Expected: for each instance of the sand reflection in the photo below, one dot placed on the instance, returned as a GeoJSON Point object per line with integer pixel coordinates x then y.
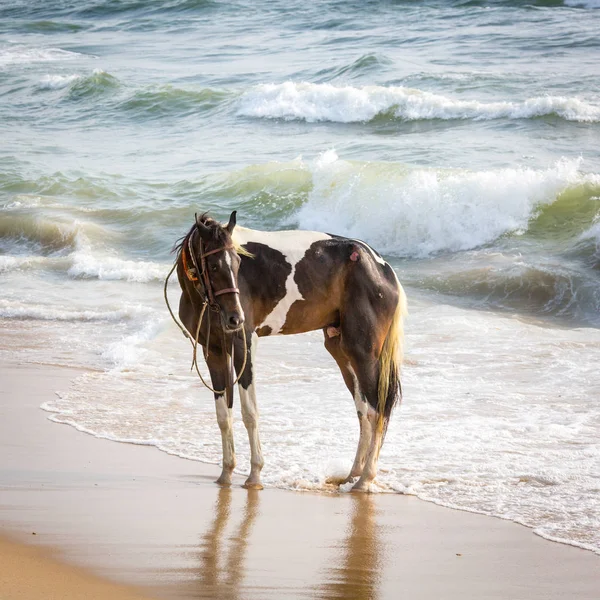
{"type": "Point", "coordinates": [334, 559]}
{"type": "Point", "coordinates": [222, 557]}
{"type": "Point", "coordinates": [357, 574]}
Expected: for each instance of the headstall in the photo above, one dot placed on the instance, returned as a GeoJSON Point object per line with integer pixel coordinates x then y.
{"type": "Point", "coordinates": [209, 299]}
{"type": "Point", "coordinates": [191, 272]}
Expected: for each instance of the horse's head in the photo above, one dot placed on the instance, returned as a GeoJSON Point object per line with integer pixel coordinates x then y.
{"type": "Point", "coordinates": [217, 264]}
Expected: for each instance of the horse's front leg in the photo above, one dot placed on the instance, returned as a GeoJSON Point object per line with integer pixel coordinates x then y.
{"type": "Point", "coordinates": [217, 364]}
{"type": "Point", "coordinates": [250, 410]}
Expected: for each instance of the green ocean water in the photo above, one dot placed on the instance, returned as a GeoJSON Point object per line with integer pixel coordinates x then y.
{"type": "Point", "coordinates": [460, 139]}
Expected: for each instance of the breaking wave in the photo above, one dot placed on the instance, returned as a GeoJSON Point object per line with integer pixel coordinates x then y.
{"type": "Point", "coordinates": [56, 82]}
{"type": "Point", "coordinates": [99, 82]}
{"type": "Point", "coordinates": [417, 212]}
{"type": "Point", "coordinates": [38, 312]}
{"type": "Point", "coordinates": [87, 265]}
{"type": "Point", "coordinates": [43, 235]}
{"type": "Point", "coordinates": [35, 242]}
{"type": "Point", "coordinates": [314, 102]}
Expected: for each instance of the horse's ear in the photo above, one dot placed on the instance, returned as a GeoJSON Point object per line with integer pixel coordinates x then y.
{"type": "Point", "coordinates": [205, 233]}
{"type": "Point", "coordinates": [231, 223]}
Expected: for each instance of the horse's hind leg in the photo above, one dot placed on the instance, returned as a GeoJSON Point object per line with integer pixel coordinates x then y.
{"type": "Point", "coordinates": [367, 371]}
{"type": "Point", "coordinates": [333, 346]}
{"type": "Point", "coordinates": [361, 340]}
{"type": "Point", "coordinates": [370, 468]}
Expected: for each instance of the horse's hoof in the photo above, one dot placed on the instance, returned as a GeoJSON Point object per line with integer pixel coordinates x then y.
{"type": "Point", "coordinates": [224, 480]}
{"type": "Point", "coordinates": [361, 487]}
{"type": "Point", "coordinates": [350, 478]}
{"type": "Point", "coordinates": [253, 485]}
{"type": "Point", "coordinates": [335, 481]}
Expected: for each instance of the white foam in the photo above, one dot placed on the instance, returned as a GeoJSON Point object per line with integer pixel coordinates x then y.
{"type": "Point", "coordinates": [13, 309]}
{"type": "Point", "coordinates": [89, 265]}
{"type": "Point", "coordinates": [593, 233]}
{"type": "Point", "coordinates": [12, 263]}
{"type": "Point", "coordinates": [416, 212]}
{"type": "Point", "coordinates": [481, 428]}
{"type": "Point", "coordinates": [56, 82]}
{"type": "Point", "coordinates": [19, 54]}
{"type": "Point", "coordinates": [128, 351]}
{"type": "Point", "coordinates": [347, 104]}
{"type": "Point", "coordinates": [23, 201]}
{"type": "Point", "coordinates": [88, 260]}
{"type": "Point", "coordinates": [7, 263]}
{"type": "Point", "coordinates": [86, 264]}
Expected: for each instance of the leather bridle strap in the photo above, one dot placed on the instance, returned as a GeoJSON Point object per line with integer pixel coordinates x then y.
{"type": "Point", "coordinates": [203, 271]}
{"type": "Point", "coordinates": [204, 254]}
{"type": "Point", "coordinates": [227, 291]}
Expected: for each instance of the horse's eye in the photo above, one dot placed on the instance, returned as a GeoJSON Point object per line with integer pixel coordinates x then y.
{"type": "Point", "coordinates": [213, 267]}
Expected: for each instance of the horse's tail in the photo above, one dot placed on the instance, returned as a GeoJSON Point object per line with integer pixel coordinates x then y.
{"type": "Point", "coordinates": [389, 389]}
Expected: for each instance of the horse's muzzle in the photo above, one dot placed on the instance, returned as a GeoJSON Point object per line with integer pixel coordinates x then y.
{"type": "Point", "coordinates": [233, 322]}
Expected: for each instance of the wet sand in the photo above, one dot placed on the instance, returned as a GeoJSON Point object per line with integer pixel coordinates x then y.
{"type": "Point", "coordinates": [134, 515]}
{"type": "Point", "coordinates": [29, 572]}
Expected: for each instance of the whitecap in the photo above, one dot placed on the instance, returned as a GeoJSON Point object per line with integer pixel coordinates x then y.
{"type": "Point", "coordinates": [87, 265]}
{"type": "Point", "coordinates": [13, 309]}
{"type": "Point", "coordinates": [56, 82]}
{"type": "Point", "coordinates": [313, 102]}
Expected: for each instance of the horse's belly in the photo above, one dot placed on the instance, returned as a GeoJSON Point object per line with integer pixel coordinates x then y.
{"type": "Point", "coordinates": [298, 317]}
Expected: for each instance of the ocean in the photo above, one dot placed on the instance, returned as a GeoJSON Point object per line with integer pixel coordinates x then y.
{"type": "Point", "coordinates": [459, 138]}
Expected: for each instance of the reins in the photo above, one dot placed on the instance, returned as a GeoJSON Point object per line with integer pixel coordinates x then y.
{"type": "Point", "coordinates": [208, 300]}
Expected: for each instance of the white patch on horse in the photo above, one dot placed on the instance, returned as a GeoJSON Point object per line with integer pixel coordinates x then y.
{"type": "Point", "coordinates": [230, 265]}
{"type": "Point", "coordinates": [250, 418]}
{"type": "Point", "coordinates": [225, 421]}
{"type": "Point", "coordinates": [293, 244]}
{"type": "Point", "coordinates": [362, 410]}
{"type": "Point", "coordinates": [233, 284]}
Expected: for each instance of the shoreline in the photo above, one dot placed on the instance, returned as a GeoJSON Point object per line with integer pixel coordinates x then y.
{"type": "Point", "coordinates": [137, 516]}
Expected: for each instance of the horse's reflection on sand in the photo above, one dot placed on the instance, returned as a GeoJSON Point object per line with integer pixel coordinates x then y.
{"type": "Point", "coordinates": [222, 564]}
{"type": "Point", "coordinates": [351, 571]}
{"type": "Point", "coordinates": [357, 574]}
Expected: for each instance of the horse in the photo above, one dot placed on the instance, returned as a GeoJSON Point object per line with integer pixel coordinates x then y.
{"type": "Point", "coordinates": [262, 283]}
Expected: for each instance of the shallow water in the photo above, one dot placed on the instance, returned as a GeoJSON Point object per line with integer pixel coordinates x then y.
{"type": "Point", "coordinates": [458, 138]}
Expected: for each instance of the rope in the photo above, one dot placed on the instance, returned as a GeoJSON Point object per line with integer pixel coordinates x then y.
{"type": "Point", "coordinates": [194, 340]}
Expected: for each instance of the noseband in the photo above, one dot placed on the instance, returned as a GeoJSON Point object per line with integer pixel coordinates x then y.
{"type": "Point", "coordinates": [191, 273]}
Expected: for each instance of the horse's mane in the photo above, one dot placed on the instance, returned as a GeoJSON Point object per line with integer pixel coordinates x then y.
{"type": "Point", "coordinates": [219, 233]}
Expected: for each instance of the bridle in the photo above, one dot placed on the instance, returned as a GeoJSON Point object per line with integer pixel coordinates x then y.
{"type": "Point", "coordinates": [191, 273]}
{"type": "Point", "coordinates": [208, 296]}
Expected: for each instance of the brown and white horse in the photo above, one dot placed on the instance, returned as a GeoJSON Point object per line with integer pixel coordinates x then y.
{"type": "Point", "coordinates": [285, 282]}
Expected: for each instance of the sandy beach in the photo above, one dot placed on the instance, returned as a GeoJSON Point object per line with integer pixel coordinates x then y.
{"type": "Point", "coordinates": [134, 516]}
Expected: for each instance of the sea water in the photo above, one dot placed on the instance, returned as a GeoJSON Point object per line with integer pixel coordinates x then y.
{"type": "Point", "coordinates": [460, 139]}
